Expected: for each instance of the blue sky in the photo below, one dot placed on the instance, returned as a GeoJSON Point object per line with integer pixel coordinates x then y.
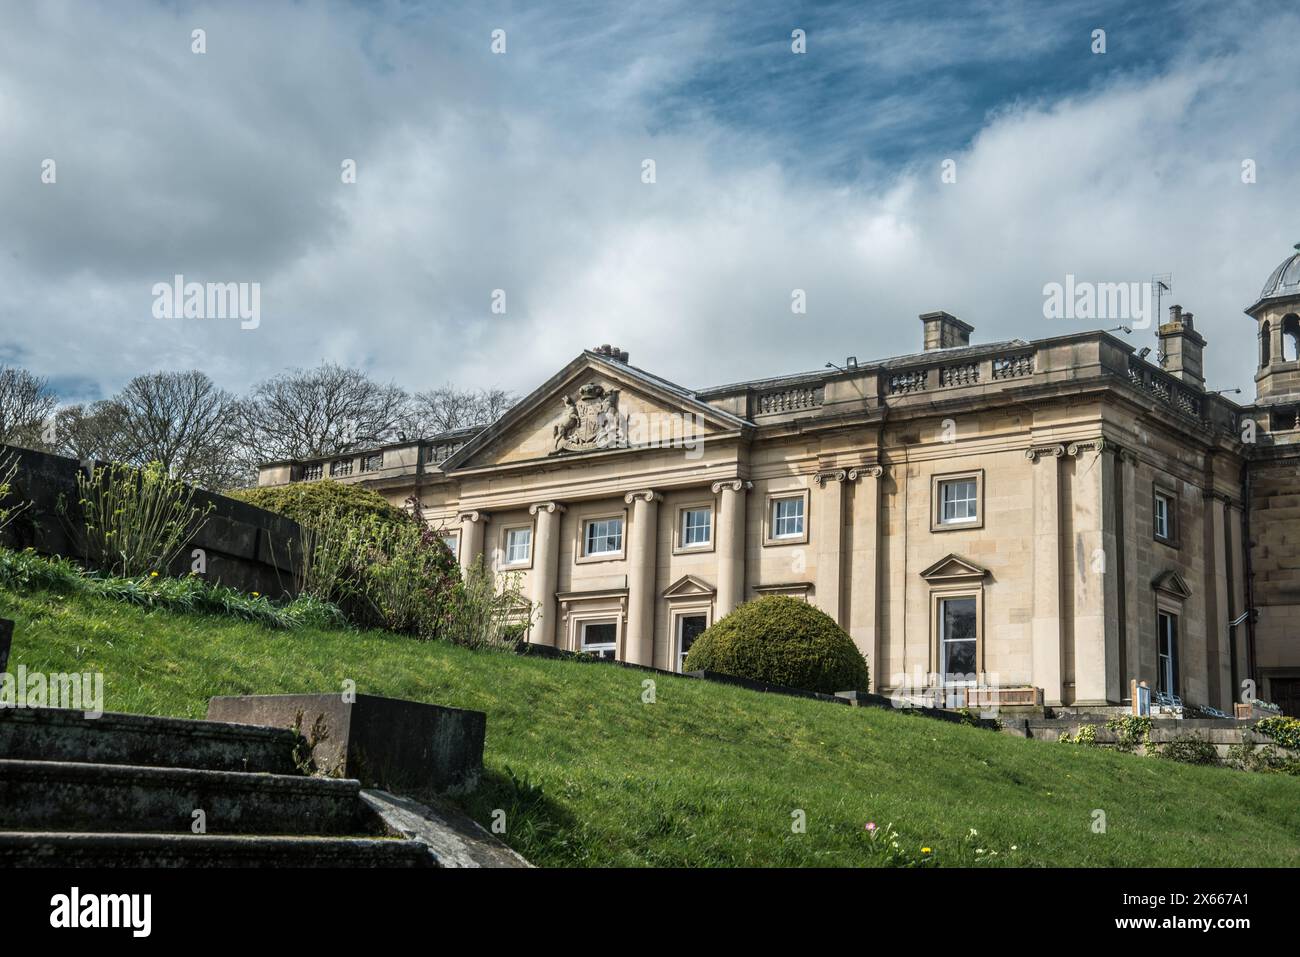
{"type": "Point", "coordinates": [522, 171]}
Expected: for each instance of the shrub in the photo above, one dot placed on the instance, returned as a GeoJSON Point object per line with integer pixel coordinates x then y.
{"type": "Point", "coordinates": [782, 641]}
{"type": "Point", "coordinates": [136, 520]}
{"type": "Point", "coordinates": [1264, 759]}
{"type": "Point", "coordinates": [1283, 730]}
{"type": "Point", "coordinates": [309, 503]}
{"type": "Point", "coordinates": [487, 612]}
{"type": "Point", "coordinates": [1189, 749]}
{"type": "Point", "coordinates": [1086, 736]}
{"type": "Point", "coordinates": [408, 577]}
{"type": "Point", "coordinates": [397, 575]}
{"type": "Point", "coordinates": [1131, 731]}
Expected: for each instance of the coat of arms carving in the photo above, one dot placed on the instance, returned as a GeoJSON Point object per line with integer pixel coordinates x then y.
{"type": "Point", "coordinates": [590, 422]}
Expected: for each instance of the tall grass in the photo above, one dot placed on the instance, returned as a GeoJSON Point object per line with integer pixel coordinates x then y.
{"type": "Point", "coordinates": [136, 520]}
{"type": "Point", "coordinates": [9, 510]}
{"type": "Point", "coordinates": [488, 611]}
{"type": "Point", "coordinates": [27, 571]}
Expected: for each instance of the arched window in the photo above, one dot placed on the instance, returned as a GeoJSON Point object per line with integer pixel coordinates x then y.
{"type": "Point", "coordinates": [1290, 338]}
{"type": "Point", "coordinates": [1265, 344]}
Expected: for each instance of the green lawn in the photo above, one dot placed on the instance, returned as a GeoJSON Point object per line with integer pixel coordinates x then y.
{"type": "Point", "coordinates": [707, 775]}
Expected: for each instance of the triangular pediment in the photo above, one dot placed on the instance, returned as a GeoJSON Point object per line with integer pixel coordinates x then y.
{"type": "Point", "coordinates": [594, 406]}
{"type": "Point", "coordinates": [1172, 583]}
{"type": "Point", "coordinates": [954, 568]}
{"type": "Point", "coordinates": [688, 586]}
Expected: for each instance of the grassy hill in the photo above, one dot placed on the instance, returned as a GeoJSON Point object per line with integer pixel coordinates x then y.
{"type": "Point", "coordinates": [588, 774]}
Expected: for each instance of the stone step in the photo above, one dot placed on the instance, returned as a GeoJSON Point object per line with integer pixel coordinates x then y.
{"type": "Point", "coordinates": [54, 849]}
{"type": "Point", "coordinates": [62, 795]}
{"type": "Point", "coordinates": [57, 734]}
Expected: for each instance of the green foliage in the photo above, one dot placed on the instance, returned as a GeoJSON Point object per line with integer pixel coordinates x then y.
{"type": "Point", "coordinates": [1086, 736]}
{"type": "Point", "coordinates": [1285, 731]}
{"type": "Point", "coordinates": [191, 594]}
{"type": "Point", "coordinates": [486, 611]}
{"type": "Point", "coordinates": [383, 566]}
{"type": "Point", "coordinates": [783, 641]}
{"type": "Point", "coordinates": [136, 520]}
{"type": "Point", "coordinates": [407, 576]}
{"type": "Point", "coordinates": [395, 575]}
{"type": "Point", "coordinates": [1131, 730]}
{"type": "Point", "coordinates": [1190, 749]}
{"type": "Point", "coordinates": [9, 509]}
{"type": "Point", "coordinates": [1263, 759]}
{"type": "Point", "coordinates": [311, 503]}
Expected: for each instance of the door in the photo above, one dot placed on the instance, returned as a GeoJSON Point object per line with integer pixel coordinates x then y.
{"type": "Point", "coordinates": [1285, 693]}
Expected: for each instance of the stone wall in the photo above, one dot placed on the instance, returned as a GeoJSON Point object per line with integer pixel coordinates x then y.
{"type": "Point", "coordinates": [245, 547]}
{"type": "Point", "coordinates": [1223, 733]}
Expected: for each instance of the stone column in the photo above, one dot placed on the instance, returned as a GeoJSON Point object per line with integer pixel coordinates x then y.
{"type": "Point", "coordinates": [1217, 655]}
{"type": "Point", "coordinates": [1241, 634]}
{"type": "Point", "coordinates": [864, 572]}
{"type": "Point", "coordinates": [1096, 585]}
{"type": "Point", "coordinates": [731, 544]}
{"type": "Point", "coordinates": [638, 648]}
{"type": "Point", "coordinates": [1046, 622]}
{"type": "Point", "coordinates": [830, 541]}
{"type": "Point", "coordinates": [471, 537]}
{"type": "Point", "coordinates": [1134, 613]}
{"type": "Point", "coordinates": [546, 570]}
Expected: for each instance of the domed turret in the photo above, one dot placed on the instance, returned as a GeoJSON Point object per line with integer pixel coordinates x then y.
{"type": "Point", "coordinates": [1285, 280]}
{"type": "Point", "coordinates": [1277, 314]}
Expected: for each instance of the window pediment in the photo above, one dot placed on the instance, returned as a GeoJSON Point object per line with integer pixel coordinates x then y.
{"type": "Point", "coordinates": [688, 586]}
{"type": "Point", "coordinates": [954, 569]}
{"type": "Point", "coordinates": [1172, 584]}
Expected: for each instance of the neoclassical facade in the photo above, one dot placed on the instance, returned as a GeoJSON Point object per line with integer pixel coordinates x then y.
{"type": "Point", "coordinates": [1064, 514]}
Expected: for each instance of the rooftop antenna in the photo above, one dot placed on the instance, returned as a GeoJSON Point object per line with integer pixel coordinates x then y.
{"type": "Point", "coordinates": [1161, 284]}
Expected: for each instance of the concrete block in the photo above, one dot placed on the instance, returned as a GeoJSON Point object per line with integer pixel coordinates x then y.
{"type": "Point", "coordinates": [398, 745]}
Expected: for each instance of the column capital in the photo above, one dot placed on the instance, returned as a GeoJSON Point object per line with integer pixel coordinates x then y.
{"type": "Point", "coordinates": [1035, 452]}
{"type": "Point", "coordinates": [736, 485]}
{"type": "Point", "coordinates": [473, 515]}
{"type": "Point", "coordinates": [831, 475]}
{"type": "Point", "coordinates": [645, 495]}
{"type": "Point", "coordinates": [868, 470]}
{"type": "Point", "coordinates": [1095, 445]}
{"type": "Point", "coordinates": [548, 507]}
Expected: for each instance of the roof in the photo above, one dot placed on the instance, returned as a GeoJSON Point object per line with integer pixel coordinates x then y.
{"type": "Point", "coordinates": [1284, 281]}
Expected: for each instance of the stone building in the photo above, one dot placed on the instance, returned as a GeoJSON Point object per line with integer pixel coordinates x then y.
{"type": "Point", "coordinates": [1064, 514]}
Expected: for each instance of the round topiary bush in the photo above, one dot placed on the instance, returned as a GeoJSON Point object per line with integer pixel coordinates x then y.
{"type": "Point", "coordinates": [782, 641]}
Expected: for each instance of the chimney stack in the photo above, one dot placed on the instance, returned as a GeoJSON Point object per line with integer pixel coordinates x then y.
{"type": "Point", "coordinates": [1182, 347]}
{"type": "Point", "coordinates": [943, 330]}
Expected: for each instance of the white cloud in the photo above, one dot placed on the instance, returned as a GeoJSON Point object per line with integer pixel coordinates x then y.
{"type": "Point", "coordinates": [523, 172]}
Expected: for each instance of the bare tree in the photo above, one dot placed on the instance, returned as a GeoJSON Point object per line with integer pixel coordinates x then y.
{"type": "Point", "coordinates": [449, 408]}
{"type": "Point", "coordinates": [91, 430]}
{"type": "Point", "coordinates": [26, 403]}
{"type": "Point", "coordinates": [181, 420]}
{"type": "Point", "coordinates": [308, 413]}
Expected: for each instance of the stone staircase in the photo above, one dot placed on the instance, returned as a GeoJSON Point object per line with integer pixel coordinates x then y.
{"type": "Point", "coordinates": [125, 790]}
